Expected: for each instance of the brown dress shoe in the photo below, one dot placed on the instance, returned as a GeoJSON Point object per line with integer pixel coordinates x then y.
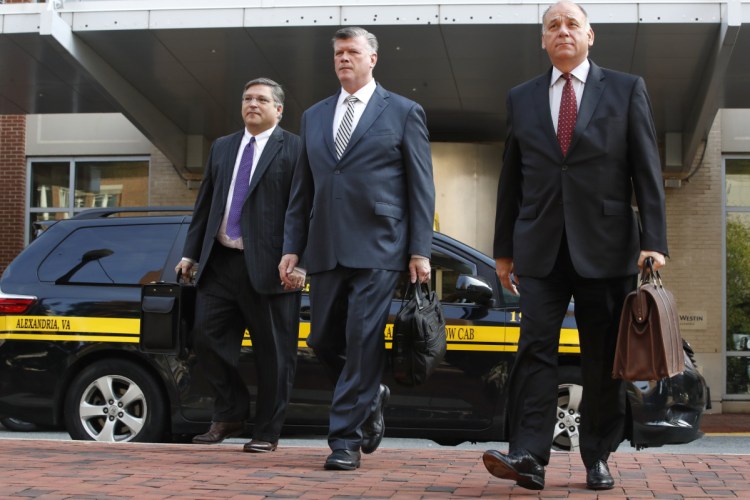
{"type": "Point", "coordinates": [258, 446]}
{"type": "Point", "coordinates": [219, 431]}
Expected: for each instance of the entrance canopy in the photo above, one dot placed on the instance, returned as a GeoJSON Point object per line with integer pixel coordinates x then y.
{"type": "Point", "coordinates": [176, 69]}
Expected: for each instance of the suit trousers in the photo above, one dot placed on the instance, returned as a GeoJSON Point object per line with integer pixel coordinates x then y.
{"type": "Point", "coordinates": [227, 305]}
{"type": "Point", "coordinates": [533, 380]}
{"type": "Point", "coordinates": [349, 312]}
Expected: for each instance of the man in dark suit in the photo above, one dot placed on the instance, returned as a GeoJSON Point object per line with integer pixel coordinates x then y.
{"type": "Point", "coordinates": [236, 235]}
{"type": "Point", "coordinates": [362, 206]}
{"type": "Point", "coordinates": [565, 227]}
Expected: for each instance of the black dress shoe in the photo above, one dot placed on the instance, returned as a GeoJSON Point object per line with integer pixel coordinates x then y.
{"type": "Point", "coordinates": [519, 466]}
{"type": "Point", "coordinates": [342, 460]}
{"type": "Point", "coordinates": [258, 446]}
{"type": "Point", "coordinates": [598, 477]}
{"type": "Point", "coordinates": [374, 426]}
{"type": "Point", "coordinates": [219, 431]}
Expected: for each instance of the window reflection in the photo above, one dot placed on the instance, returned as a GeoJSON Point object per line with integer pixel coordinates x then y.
{"type": "Point", "coordinates": [738, 183]}
{"type": "Point", "coordinates": [737, 335]}
{"type": "Point", "coordinates": [61, 188]}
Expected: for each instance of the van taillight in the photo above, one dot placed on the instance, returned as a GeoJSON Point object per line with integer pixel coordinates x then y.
{"type": "Point", "coordinates": [15, 305]}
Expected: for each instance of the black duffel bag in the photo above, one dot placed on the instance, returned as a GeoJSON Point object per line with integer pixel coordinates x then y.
{"type": "Point", "coordinates": [418, 336]}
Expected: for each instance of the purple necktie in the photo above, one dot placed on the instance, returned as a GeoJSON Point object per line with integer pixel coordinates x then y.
{"type": "Point", "coordinates": [241, 185]}
{"type": "Point", "coordinates": [566, 121]}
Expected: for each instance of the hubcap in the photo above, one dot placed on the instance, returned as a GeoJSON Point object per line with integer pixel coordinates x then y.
{"type": "Point", "coordinates": [113, 408]}
{"type": "Point", "coordinates": [566, 436]}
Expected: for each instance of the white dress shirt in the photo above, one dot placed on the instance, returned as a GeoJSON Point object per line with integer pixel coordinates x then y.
{"type": "Point", "coordinates": [557, 83]}
{"type": "Point", "coordinates": [260, 143]}
{"type": "Point", "coordinates": [364, 94]}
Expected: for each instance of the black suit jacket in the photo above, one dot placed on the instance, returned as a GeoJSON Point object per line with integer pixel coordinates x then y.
{"type": "Point", "coordinates": [263, 213]}
{"type": "Point", "coordinates": [587, 193]}
{"type": "Point", "coordinates": [372, 208]}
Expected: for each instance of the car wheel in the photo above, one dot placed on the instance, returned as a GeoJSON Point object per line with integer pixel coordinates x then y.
{"type": "Point", "coordinates": [14, 424]}
{"type": "Point", "coordinates": [115, 401]}
{"type": "Point", "coordinates": [569, 392]}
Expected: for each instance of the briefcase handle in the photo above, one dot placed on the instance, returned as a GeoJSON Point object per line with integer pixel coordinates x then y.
{"type": "Point", "coordinates": [649, 274]}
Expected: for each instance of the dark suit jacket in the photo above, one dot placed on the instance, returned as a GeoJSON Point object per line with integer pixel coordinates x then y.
{"type": "Point", "coordinates": [262, 214]}
{"type": "Point", "coordinates": [588, 192]}
{"type": "Point", "coordinates": [374, 207]}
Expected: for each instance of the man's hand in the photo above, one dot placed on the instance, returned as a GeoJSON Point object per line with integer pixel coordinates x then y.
{"type": "Point", "coordinates": [659, 259]}
{"type": "Point", "coordinates": [290, 275]}
{"type": "Point", "coordinates": [504, 268]}
{"type": "Point", "coordinates": [184, 266]}
{"type": "Point", "coordinates": [419, 268]}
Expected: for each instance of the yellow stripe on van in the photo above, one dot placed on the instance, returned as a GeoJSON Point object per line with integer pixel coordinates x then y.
{"type": "Point", "coordinates": [65, 324]}
{"type": "Point", "coordinates": [127, 330]}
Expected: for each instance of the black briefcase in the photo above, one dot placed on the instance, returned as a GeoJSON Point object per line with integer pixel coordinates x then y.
{"type": "Point", "coordinates": [167, 313]}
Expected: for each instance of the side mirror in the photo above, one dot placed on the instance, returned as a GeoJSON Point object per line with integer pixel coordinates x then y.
{"type": "Point", "coordinates": [475, 289]}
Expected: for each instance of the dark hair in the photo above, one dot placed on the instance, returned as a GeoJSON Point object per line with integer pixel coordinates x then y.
{"type": "Point", "coordinates": [276, 91]}
{"type": "Point", "coordinates": [354, 32]}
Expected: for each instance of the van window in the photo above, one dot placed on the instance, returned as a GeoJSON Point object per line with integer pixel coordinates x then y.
{"type": "Point", "coordinates": [121, 255]}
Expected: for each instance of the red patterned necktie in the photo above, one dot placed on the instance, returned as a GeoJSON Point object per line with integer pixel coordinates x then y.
{"type": "Point", "coordinates": [566, 121]}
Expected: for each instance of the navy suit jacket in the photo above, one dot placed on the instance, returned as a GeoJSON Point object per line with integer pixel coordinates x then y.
{"type": "Point", "coordinates": [375, 206]}
{"type": "Point", "coordinates": [587, 193]}
{"type": "Point", "coordinates": [262, 219]}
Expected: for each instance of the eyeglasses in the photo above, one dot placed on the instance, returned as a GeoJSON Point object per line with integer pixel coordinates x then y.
{"type": "Point", "coordinates": [262, 101]}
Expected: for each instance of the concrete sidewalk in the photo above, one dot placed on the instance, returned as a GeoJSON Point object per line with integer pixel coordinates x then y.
{"type": "Point", "coordinates": [76, 469]}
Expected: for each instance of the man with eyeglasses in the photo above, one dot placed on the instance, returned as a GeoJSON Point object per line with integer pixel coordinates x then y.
{"type": "Point", "coordinates": [236, 236]}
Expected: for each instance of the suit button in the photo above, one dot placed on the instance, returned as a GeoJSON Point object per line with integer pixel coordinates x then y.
{"type": "Point", "coordinates": [564, 168]}
{"type": "Point", "coordinates": [337, 172]}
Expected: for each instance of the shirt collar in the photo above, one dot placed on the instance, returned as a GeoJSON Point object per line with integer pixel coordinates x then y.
{"type": "Point", "coordinates": [364, 94]}
{"type": "Point", "coordinates": [581, 72]}
{"type": "Point", "coordinates": [263, 135]}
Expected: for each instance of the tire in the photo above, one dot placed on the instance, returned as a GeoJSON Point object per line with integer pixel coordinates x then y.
{"type": "Point", "coordinates": [16, 425]}
{"type": "Point", "coordinates": [569, 392]}
{"type": "Point", "coordinates": [115, 400]}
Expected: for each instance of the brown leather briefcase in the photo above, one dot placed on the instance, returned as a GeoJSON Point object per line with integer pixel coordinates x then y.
{"type": "Point", "coordinates": [649, 344]}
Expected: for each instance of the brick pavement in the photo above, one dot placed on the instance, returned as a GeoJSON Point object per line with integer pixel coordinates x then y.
{"type": "Point", "coordinates": [74, 469]}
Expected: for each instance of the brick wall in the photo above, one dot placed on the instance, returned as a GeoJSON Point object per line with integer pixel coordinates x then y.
{"type": "Point", "coordinates": [694, 229]}
{"type": "Point", "coordinates": [694, 272]}
{"type": "Point", "coordinates": [13, 181]}
{"type": "Point", "coordinates": [166, 186]}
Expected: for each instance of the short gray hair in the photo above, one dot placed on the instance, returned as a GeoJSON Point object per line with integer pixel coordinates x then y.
{"type": "Point", "coordinates": [585, 14]}
{"type": "Point", "coordinates": [276, 91]}
{"type": "Point", "coordinates": [354, 32]}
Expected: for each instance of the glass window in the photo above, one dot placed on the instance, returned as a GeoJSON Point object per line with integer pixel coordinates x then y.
{"type": "Point", "coordinates": [50, 185]}
{"type": "Point", "coordinates": [59, 188]}
{"type": "Point", "coordinates": [738, 182]}
{"type": "Point", "coordinates": [737, 229]}
{"type": "Point", "coordinates": [111, 184]}
{"type": "Point", "coordinates": [122, 255]}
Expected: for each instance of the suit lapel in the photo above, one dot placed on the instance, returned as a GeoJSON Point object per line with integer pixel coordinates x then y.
{"type": "Point", "coordinates": [272, 147]}
{"type": "Point", "coordinates": [544, 114]}
{"type": "Point", "coordinates": [329, 110]}
{"type": "Point", "coordinates": [592, 92]}
{"type": "Point", "coordinates": [377, 104]}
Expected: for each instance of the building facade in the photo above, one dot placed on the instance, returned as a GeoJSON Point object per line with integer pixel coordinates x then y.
{"type": "Point", "coordinates": [54, 163]}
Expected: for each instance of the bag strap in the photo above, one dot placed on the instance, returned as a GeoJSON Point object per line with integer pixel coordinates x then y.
{"type": "Point", "coordinates": [417, 291]}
